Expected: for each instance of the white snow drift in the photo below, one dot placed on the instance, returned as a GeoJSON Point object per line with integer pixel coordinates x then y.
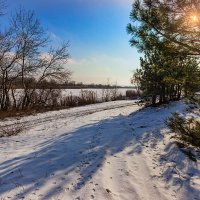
{"type": "Point", "coordinates": [109, 151]}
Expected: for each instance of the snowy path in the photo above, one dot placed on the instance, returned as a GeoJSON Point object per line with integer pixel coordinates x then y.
{"type": "Point", "coordinates": [31, 121]}
{"type": "Point", "coordinates": [111, 154]}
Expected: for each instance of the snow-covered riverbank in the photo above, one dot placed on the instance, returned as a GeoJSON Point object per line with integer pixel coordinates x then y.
{"type": "Point", "coordinates": [111, 150]}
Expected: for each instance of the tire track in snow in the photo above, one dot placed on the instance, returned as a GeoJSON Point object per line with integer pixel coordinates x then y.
{"type": "Point", "coordinates": [68, 114]}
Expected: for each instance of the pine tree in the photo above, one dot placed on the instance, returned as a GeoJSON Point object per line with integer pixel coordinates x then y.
{"type": "Point", "coordinates": [175, 21]}
{"type": "Point", "coordinates": [167, 33]}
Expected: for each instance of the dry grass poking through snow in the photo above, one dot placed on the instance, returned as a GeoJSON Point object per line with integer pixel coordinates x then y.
{"type": "Point", "coordinates": [11, 130]}
{"type": "Point", "coordinates": [120, 153]}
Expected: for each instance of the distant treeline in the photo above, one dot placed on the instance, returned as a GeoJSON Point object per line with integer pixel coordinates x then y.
{"type": "Point", "coordinates": [31, 82]}
{"type": "Point", "coordinates": [80, 85]}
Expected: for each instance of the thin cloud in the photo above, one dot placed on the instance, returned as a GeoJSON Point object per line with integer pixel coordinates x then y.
{"type": "Point", "coordinates": [100, 68]}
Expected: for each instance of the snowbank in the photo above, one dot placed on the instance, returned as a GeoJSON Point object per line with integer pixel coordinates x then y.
{"type": "Point", "coordinates": [122, 153]}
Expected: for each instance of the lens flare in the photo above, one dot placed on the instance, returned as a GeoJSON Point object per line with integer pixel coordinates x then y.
{"type": "Point", "coordinates": [194, 18]}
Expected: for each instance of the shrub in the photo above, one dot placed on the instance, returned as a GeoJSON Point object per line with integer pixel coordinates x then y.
{"type": "Point", "coordinates": [133, 94]}
{"type": "Point", "coordinates": [188, 130]}
{"type": "Point", "coordinates": [69, 101]}
{"type": "Point", "coordinates": [87, 97]}
{"type": "Point", "coordinates": [130, 93]}
{"type": "Point", "coordinates": [11, 130]}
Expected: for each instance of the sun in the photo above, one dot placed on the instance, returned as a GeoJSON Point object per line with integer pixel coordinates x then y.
{"type": "Point", "coordinates": [194, 18]}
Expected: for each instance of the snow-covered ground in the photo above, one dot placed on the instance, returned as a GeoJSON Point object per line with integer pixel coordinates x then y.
{"type": "Point", "coordinates": [108, 151]}
{"type": "Point", "coordinates": [99, 92]}
{"type": "Point", "coordinates": [72, 112]}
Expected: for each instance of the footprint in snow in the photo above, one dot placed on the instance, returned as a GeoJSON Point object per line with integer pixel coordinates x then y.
{"type": "Point", "coordinates": [108, 191]}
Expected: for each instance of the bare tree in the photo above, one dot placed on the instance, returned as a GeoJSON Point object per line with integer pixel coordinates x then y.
{"type": "Point", "coordinates": [7, 63]}
{"type": "Point", "coordinates": [31, 38]}
{"type": "Point", "coordinates": [24, 55]}
{"type": "Point", "coordinates": [51, 66]}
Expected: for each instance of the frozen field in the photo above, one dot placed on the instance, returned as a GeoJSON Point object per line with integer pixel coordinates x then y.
{"type": "Point", "coordinates": [76, 92]}
{"type": "Point", "coordinates": [99, 92]}
{"type": "Point", "coordinates": [108, 151]}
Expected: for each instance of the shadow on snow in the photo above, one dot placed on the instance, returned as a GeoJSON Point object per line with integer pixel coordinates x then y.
{"type": "Point", "coordinates": [83, 152]}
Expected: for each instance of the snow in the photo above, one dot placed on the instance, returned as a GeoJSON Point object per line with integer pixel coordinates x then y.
{"type": "Point", "coordinates": [76, 111]}
{"type": "Point", "coordinates": [99, 92]}
{"type": "Point", "coordinates": [109, 151]}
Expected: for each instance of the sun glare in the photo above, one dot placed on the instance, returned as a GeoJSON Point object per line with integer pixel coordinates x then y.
{"type": "Point", "coordinates": [194, 18]}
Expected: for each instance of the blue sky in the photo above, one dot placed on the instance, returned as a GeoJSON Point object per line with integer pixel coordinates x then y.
{"type": "Point", "coordinates": [96, 30]}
